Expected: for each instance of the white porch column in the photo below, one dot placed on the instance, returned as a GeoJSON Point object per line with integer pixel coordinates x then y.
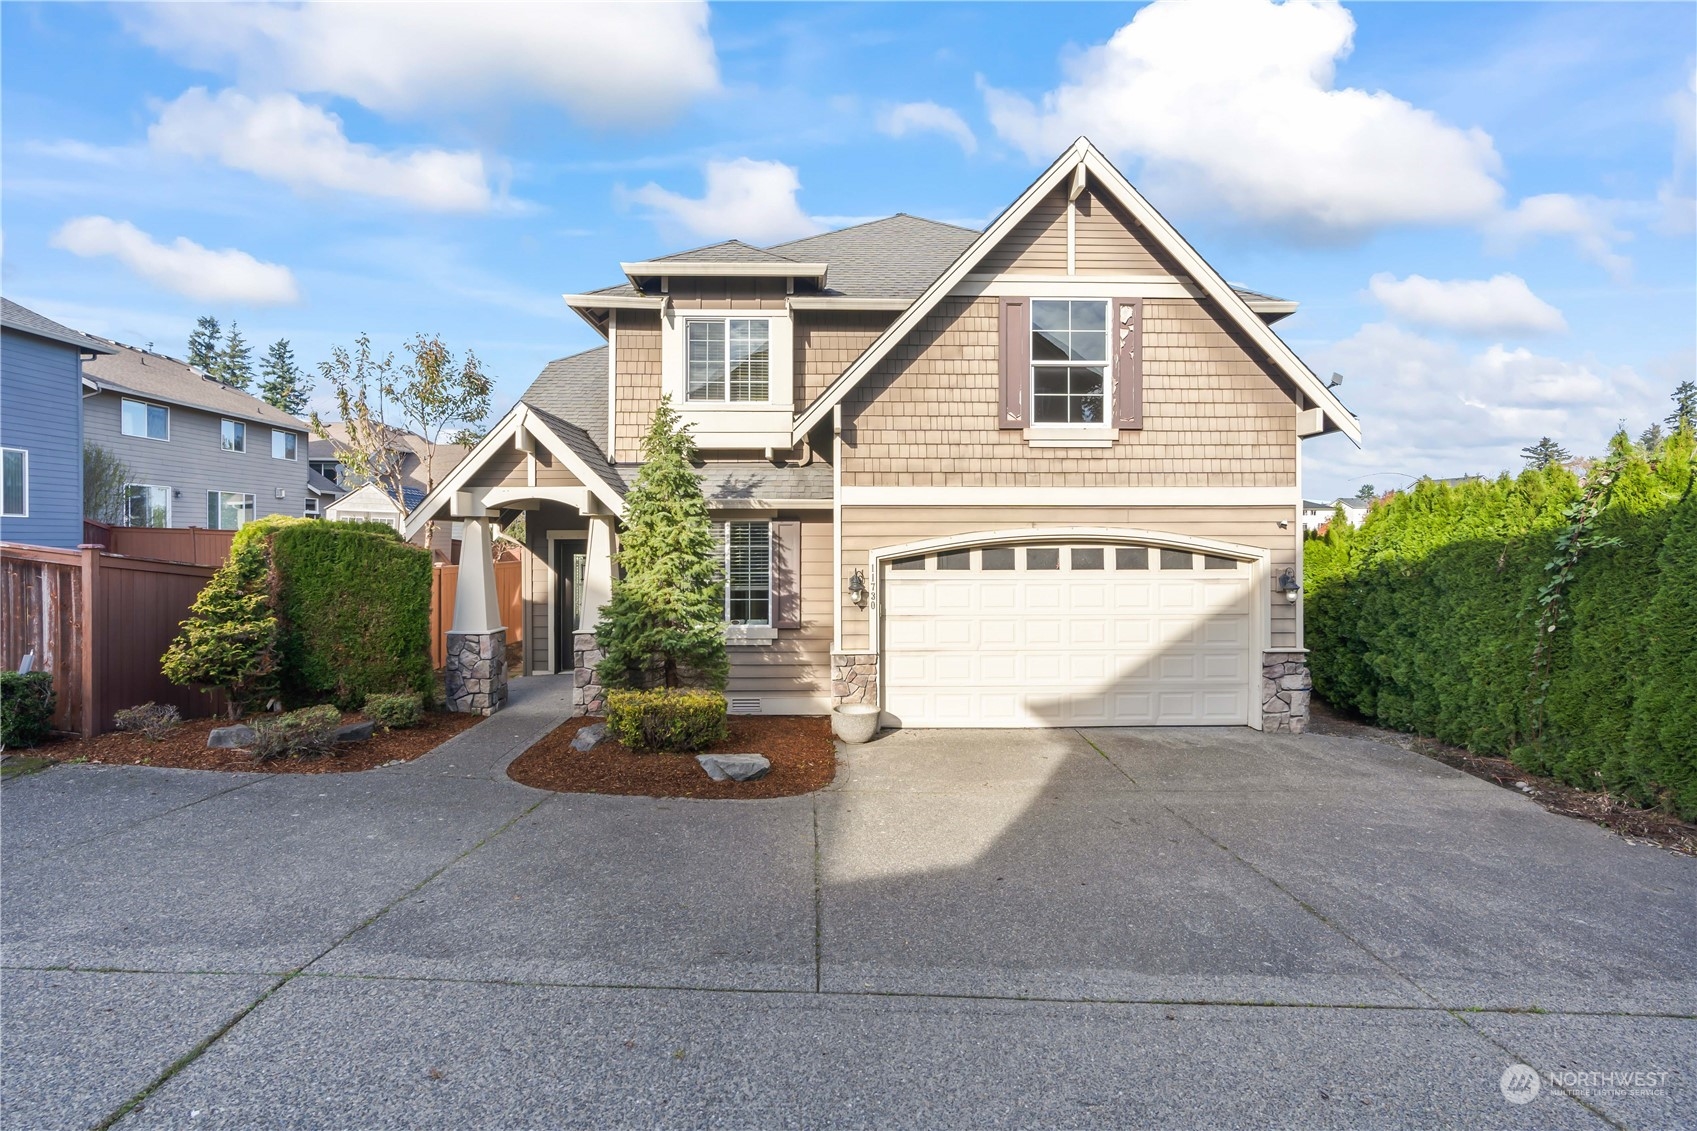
{"type": "Point", "coordinates": [597, 591]}
{"type": "Point", "coordinates": [476, 675]}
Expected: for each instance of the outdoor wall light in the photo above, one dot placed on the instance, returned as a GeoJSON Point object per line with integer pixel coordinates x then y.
{"type": "Point", "coordinates": [1289, 586]}
{"type": "Point", "coordinates": [857, 589]}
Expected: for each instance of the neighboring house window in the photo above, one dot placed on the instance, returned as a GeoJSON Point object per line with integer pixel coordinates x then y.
{"type": "Point", "coordinates": [728, 359]}
{"type": "Point", "coordinates": [312, 508]}
{"type": "Point", "coordinates": [138, 418]}
{"type": "Point", "coordinates": [14, 483]}
{"type": "Point", "coordinates": [283, 444]}
{"type": "Point", "coordinates": [748, 572]}
{"type": "Point", "coordinates": [325, 467]}
{"type": "Point", "coordinates": [232, 436]}
{"type": "Point", "coordinates": [1069, 361]}
{"type": "Point", "coordinates": [147, 506]}
{"type": "Point", "coordinates": [228, 510]}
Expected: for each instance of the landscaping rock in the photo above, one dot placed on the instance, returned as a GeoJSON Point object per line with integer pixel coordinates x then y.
{"type": "Point", "coordinates": [734, 767]}
{"type": "Point", "coordinates": [230, 738]}
{"type": "Point", "coordinates": [354, 732]}
{"type": "Point", "coordinates": [589, 737]}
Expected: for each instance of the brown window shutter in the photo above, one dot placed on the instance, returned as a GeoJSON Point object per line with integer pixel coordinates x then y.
{"type": "Point", "coordinates": [786, 574]}
{"type": "Point", "coordinates": [1128, 363]}
{"type": "Point", "coordinates": [1016, 363]}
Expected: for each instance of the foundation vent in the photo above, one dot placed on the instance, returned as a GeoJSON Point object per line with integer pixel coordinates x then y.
{"type": "Point", "coordinates": [745, 706]}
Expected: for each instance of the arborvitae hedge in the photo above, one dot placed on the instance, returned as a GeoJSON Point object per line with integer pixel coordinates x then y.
{"type": "Point", "coordinates": [1424, 619]}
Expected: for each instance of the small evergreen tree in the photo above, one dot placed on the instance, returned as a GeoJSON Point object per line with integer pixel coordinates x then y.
{"type": "Point", "coordinates": [1650, 440]}
{"type": "Point", "coordinates": [203, 344]}
{"type": "Point", "coordinates": [1684, 414]}
{"type": "Point", "coordinates": [235, 361]}
{"type": "Point", "coordinates": [665, 625]}
{"type": "Point", "coordinates": [1544, 453]}
{"type": "Point", "coordinates": [1367, 493]}
{"type": "Point", "coordinates": [230, 642]}
{"type": "Point", "coordinates": [283, 384]}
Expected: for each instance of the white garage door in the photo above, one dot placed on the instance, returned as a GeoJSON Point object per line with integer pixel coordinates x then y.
{"type": "Point", "coordinates": [1067, 635]}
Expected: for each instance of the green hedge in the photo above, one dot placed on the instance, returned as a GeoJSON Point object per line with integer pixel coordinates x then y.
{"type": "Point", "coordinates": [27, 702]}
{"type": "Point", "coordinates": [1424, 619]}
{"type": "Point", "coordinates": [354, 602]}
{"type": "Point", "coordinates": [677, 721]}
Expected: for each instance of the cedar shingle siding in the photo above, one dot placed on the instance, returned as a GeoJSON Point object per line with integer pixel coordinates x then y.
{"type": "Point", "coordinates": [636, 385]}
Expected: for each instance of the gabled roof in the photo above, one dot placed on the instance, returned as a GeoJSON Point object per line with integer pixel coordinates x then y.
{"type": "Point", "coordinates": [896, 257]}
{"type": "Point", "coordinates": [318, 484]}
{"type": "Point", "coordinates": [156, 377]}
{"type": "Point", "coordinates": [575, 388]}
{"type": "Point", "coordinates": [1081, 158]}
{"type": "Point", "coordinates": [26, 321]}
{"type": "Point", "coordinates": [731, 251]}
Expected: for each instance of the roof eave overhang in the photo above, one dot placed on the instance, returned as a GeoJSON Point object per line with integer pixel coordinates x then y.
{"type": "Point", "coordinates": [73, 339]}
{"type": "Point", "coordinates": [846, 302]}
{"type": "Point", "coordinates": [105, 385]}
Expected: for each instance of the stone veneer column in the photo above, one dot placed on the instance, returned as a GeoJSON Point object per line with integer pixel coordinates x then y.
{"type": "Point", "coordinates": [477, 671]}
{"type": "Point", "coordinates": [1285, 688]}
{"type": "Point", "coordinates": [854, 678]}
{"type": "Point", "coordinates": [588, 696]}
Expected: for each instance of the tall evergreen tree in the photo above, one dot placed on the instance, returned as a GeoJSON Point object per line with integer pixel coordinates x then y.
{"type": "Point", "coordinates": [203, 344]}
{"type": "Point", "coordinates": [1544, 453]}
{"type": "Point", "coordinates": [665, 625]}
{"type": "Point", "coordinates": [235, 360]}
{"type": "Point", "coordinates": [283, 384]}
{"type": "Point", "coordinates": [1684, 414]}
{"type": "Point", "coordinates": [1367, 493]}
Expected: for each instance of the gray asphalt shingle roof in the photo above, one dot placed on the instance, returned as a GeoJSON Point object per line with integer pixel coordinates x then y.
{"type": "Point", "coordinates": [26, 321]}
{"type": "Point", "coordinates": [583, 446]}
{"type": "Point", "coordinates": [574, 389]}
{"type": "Point", "coordinates": [896, 257]}
{"type": "Point", "coordinates": [126, 369]}
{"type": "Point", "coordinates": [758, 481]}
{"type": "Point", "coordinates": [731, 251]}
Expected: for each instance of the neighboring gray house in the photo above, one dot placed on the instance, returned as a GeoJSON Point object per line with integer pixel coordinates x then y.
{"type": "Point", "coordinates": [201, 453]}
{"type": "Point", "coordinates": [41, 427]}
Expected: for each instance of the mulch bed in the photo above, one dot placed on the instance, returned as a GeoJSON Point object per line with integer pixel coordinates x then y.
{"type": "Point", "coordinates": [801, 750]}
{"type": "Point", "coordinates": [185, 748]}
{"type": "Point", "coordinates": [1644, 826]}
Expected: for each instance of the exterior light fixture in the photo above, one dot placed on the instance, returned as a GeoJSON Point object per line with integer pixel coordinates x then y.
{"type": "Point", "coordinates": [857, 589]}
{"type": "Point", "coordinates": [1289, 586]}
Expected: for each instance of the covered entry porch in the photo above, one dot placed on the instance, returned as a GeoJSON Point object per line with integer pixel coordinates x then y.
{"type": "Point", "coordinates": [527, 465]}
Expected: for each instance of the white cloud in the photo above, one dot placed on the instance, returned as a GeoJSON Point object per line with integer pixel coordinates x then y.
{"type": "Point", "coordinates": [182, 266]}
{"type": "Point", "coordinates": [281, 138]}
{"type": "Point", "coordinates": [927, 117]}
{"type": "Point", "coordinates": [1233, 101]}
{"type": "Point", "coordinates": [602, 62]}
{"type": "Point", "coordinates": [1587, 221]}
{"type": "Point", "coordinates": [745, 199]}
{"type": "Point", "coordinates": [1432, 408]}
{"type": "Point", "coordinates": [1502, 304]}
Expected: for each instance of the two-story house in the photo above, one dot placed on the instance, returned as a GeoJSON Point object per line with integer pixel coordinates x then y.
{"type": "Point", "coordinates": [200, 452]}
{"type": "Point", "coordinates": [41, 428]}
{"type": "Point", "coordinates": [1041, 475]}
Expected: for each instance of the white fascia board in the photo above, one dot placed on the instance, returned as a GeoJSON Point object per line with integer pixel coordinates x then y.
{"type": "Point", "coordinates": [1286, 497]}
{"type": "Point", "coordinates": [443, 493]}
{"type": "Point", "coordinates": [1223, 293]}
{"type": "Point", "coordinates": [844, 302]}
{"type": "Point", "coordinates": [616, 302]}
{"type": "Point", "coordinates": [560, 450]}
{"type": "Point", "coordinates": [686, 269]}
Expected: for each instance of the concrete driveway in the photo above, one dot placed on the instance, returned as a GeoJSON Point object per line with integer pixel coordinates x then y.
{"type": "Point", "coordinates": [1189, 928]}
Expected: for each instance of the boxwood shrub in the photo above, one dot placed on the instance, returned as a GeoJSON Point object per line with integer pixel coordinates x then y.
{"type": "Point", "coordinates": [675, 721]}
{"type": "Point", "coordinates": [26, 708]}
{"type": "Point", "coordinates": [396, 712]}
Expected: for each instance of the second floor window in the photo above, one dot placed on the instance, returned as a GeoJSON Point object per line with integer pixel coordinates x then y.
{"type": "Point", "coordinates": [1069, 361]}
{"type": "Point", "coordinates": [729, 359]}
{"type": "Point", "coordinates": [138, 418]}
{"type": "Point", "coordinates": [283, 444]}
{"type": "Point", "coordinates": [14, 483]}
{"type": "Point", "coordinates": [232, 436]}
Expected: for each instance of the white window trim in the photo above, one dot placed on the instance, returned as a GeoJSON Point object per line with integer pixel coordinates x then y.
{"type": "Point", "coordinates": [276, 432]}
{"type": "Point", "coordinates": [747, 633]}
{"type": "Point", "coordinates": [251, 504]}
{"type": "Point", "coordinates": [25, 512]}
{"type": "Point", "coordinates": [150, 487]}
{"type": "Point", "coordinates": [1058, 430]}
{"type": "Point", "coordinates": [726, 320]}
{"type": "Point", "coordinates": [241, 451]}
{"type": "Point", "coordinates": [725, 425]}
{"type": "Point", "coordinates": [310, 507]}
{"type": "Point", "coordinates": [165, 439]}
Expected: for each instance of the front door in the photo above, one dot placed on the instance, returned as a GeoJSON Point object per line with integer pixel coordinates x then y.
{"type": "Point", "coordinates": [569, 558]}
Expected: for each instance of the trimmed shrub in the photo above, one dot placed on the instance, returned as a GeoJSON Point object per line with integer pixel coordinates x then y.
{"type": "Point", "coordinates": [27, 702]}
{"type": "Point", "coordinates": [397, 712]}
{"type": "Point", "coordinates": [675, 721]}
{"type": "Point", "coordinates": [150, 720]}
{"type": "Point", "coordinates": [354, 604]}
{"type": "Point", "coordinates": [308, 732]}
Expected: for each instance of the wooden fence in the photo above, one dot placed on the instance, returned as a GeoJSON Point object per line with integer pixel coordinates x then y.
{"type": "Point", "coordinates": [100, 623]}
{"type": "Point", "coordinates": [444, 581]}
{"type": "Point", "coordinates": [176, 544]}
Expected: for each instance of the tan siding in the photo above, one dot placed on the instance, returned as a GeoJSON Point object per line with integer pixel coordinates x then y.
{"type": "Point", "coordinates": [1037, 244]}
{"type": "Point", "coordinates": [868, 528]}
{"type": "Point", "coordinates": [1108, 242]}
{"type": "Point", "coordinates": [636, 383]}
{"type": "Point", "coordinates": [727, 293]}
{"type": "Point", "coordinates": [550, 472]}
{"type": "Point", "coordinates": [927, 414]}
{"type": "Point", "coordinates": [799, 662]}
{"type": "Point", "coordinates": [827, 342]}
{"type": "Point", "coordinates": [503, 468]}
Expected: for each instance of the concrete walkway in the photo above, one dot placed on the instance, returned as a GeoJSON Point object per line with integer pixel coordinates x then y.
{"type": "Point", "coordinates": [1191, 928]}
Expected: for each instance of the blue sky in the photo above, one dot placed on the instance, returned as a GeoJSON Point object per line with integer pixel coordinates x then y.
{"type": "Point", "coordinates": [1485, 210]}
